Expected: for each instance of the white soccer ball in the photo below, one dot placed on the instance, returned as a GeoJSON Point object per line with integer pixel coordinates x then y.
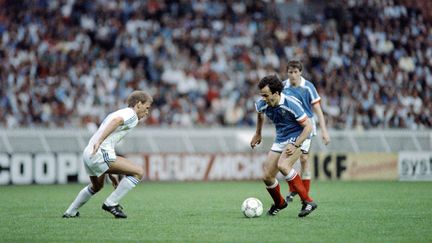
{"type": "Point", "coordinates": [252, 207]}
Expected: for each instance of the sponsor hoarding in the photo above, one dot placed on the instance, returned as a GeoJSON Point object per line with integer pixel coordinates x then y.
{"type": "Point", "coordinates": [61, 168]}
{"type": "Point", "coordinates": [415, 166]}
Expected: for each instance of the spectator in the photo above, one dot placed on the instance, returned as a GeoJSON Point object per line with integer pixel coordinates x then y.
{"type": "Point", "coordinates": [67, 63]}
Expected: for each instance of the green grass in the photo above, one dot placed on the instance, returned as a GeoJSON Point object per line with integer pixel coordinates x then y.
{"type": "Point", "coordinates": [210, 212]}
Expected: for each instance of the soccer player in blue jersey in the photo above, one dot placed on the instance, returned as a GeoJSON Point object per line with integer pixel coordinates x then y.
{"type": "Point", "coordinates": [99, 156]}
{"type": "Point", "coordinates": [293, 127]}
{"type": "Point", "coordinates": [306, 93]}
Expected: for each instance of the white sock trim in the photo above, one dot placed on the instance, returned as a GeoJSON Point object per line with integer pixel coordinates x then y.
{"type": "Point", "coordinates": [274, 185]}
{"type": "Point", "coordinates": [291, 175]}
{"type": "Point", "coordinates": [132, 179]}
{"type": "Point", "coordinates": [306, 175]}
{"type": "Point", "coordinates": [90, 190]}
{"type": "Point", "coordinates": [125, 185]}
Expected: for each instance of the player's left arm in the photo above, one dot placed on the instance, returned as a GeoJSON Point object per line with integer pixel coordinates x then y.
{"type": "Point", "coordinates": [324, 133]}
{"type": "Point", "coordinates": [307, 129]}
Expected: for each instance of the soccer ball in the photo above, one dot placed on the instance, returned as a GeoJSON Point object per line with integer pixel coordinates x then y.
{"type": "Point", "coordinates": [252, 207]}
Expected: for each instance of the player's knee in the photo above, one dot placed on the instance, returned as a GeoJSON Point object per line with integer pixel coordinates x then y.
{"type": "Point", "coordinates": [139, 173]}
{"type": "Point", "coordinates": [268, 181]}
{"type": "Point", "coordinates": [304, 158]}
{"type": "Point", "coordinates": [303, 164]}
{"type": "Point", "coordinates": [284, 168]}
{"type": "Point", "coordinates": [267, 178]}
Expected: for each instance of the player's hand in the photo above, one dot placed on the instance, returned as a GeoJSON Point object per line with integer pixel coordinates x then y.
{"type": "Point", "coordinates": [95, 148]}
{"type": "Point", "coordinates": [256, 139]}
{"type": "Point", "coordinates": [325, 137]}
{"type": "Point", "coordinates": [114, 181]}
{"type": "Point", "coordinates": [290, 149]}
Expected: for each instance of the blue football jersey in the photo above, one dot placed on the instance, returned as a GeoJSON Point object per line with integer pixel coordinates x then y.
{"type": "Point", "coordinates": [286, 117]}
{"type": "Point", "coordinates": [306, 93]}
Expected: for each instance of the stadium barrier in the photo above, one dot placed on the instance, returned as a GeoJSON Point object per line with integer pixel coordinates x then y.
{"type": "Point", "coordinates": [62, 168]}
{"type": "Point", "coordinates": [54, 156]}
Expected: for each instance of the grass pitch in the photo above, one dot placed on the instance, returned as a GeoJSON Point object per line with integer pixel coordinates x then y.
{"type": "Point", "coordinates": [210, 212]}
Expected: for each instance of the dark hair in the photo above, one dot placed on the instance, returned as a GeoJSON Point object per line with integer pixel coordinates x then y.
{"type": "Point", "coordinates": [273, 82]}
{"type": "Point", "coordinates": [137, 96]}
{"type": "Point", "coordinates": [295, 64]}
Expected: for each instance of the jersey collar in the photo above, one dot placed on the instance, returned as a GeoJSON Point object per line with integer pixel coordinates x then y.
{"type": "Point", "coordinates": [302, 82]}
{"type": "Point", "coordinates": [282, 98]}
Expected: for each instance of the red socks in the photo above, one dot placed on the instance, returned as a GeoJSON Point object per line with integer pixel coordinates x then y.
{"type": "Point", "coordinates": [291, 187]}
{"type": "Point", "coordinates": [297, 183]}
{"type": "Point", "coordinates": [306, 184]}
{"type": "Point", "coordinates": [275, 194]}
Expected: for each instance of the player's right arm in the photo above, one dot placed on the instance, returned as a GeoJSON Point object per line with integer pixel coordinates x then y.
{"type": "Point", "coordinates": [316, 106]}
{"type": "Point", "coordinates": [256, 139]}
{"type": "Point", "coordinates": [307, 129]}
{"type": "Point", "coordinates": [107, 130]}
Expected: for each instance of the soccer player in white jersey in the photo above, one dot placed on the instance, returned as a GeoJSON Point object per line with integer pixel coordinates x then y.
{"type": "Point", "coordinates": [100, 158]}
{"type": "Point", "coordinates": [293, 127]}
{"type": "Point", "coordinates": [305, 91]}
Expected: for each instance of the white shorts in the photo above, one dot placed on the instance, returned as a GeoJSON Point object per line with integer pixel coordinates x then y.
{"type": "Point", "coordinates": [99, 163]}
{"type": "Point", "coordinates": [279, 147]}
{"type": "Point", "coordinates": [305, 147]}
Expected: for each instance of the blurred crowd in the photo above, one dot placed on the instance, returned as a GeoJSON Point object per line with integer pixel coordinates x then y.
{"type": "Point", "coordinates": [67, 63]}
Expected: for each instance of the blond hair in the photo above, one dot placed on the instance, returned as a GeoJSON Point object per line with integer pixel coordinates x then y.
{"type": "Point", "coordinates": [137, 96]}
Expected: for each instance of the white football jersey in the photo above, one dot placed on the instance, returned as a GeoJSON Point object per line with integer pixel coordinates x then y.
{"type": "Point", "coordinates": [130, 120]}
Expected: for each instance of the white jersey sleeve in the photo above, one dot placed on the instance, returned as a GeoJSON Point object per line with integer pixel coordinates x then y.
{"type": "Point", "coordinates": [129, 117]}
{"type": "Point", "coordinates": [130, 120]}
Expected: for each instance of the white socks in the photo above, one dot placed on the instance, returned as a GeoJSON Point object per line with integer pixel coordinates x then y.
{"type": "Point", "coordinates": [125, 185]}
{"type": "Point", "coordinates": [83, 196]}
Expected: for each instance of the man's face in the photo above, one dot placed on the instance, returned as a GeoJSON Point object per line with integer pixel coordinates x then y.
{"type": "Point", "coordinates": [143, 109]}
{"type": "Point", "coordinates": [269, 98]}
{"type": "Point", "coordinates": [294, 75]}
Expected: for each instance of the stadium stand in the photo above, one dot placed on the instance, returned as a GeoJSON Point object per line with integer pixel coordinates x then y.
{"type": "Point", "coordinates": [66, 63]}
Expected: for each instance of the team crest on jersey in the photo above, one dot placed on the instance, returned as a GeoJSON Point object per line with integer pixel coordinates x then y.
{"type": "Point", "coordinates": [282, 112]}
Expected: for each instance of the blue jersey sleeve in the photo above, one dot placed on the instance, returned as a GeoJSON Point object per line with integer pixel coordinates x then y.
{"type": "Point", "coordinates": [260, 106]}
{"type": "Point", "coordinates": [312, 92]}
{"type": "Point", "coordinates": [293, 105]}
